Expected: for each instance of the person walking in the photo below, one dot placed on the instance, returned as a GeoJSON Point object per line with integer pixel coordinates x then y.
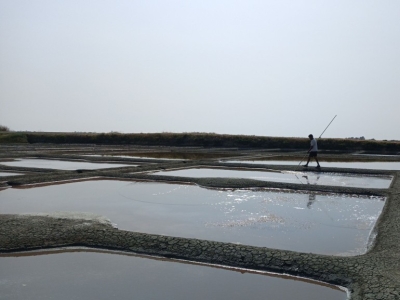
{"type": "Point", "coordinates": [313, 151]}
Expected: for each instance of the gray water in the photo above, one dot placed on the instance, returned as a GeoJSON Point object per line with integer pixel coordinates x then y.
{"type": "Point", "coordinates": [356, 165]}
{"type": "Point", "coordinates": [306, 222]}
{"type": "Point", "coordinates": [3, 174]}
{"type": "Point", "coordinates": [61, 165]}
{"type": "Point", "coordinates": [132, 156]}
{"type": "Point", "coordinates": [98, 276]}
{"type": "Point", "coordinates": [301, 177]}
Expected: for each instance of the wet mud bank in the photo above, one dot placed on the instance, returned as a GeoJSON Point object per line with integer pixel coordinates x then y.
{"type": "Point", "coordinates": [373, 275]}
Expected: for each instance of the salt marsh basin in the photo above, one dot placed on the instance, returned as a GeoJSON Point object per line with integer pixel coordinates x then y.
{"type": "Point", "coordinates": [306, 222]}
{"type": "Point", "coordinates": [378, 165]}
{"type": "Point", "coordinates": [304, 177]}
{"type": "Point", "coordinates": [3, 174]}
{"type": "Point", "coordinates": [372, 274]}
{"type": "Point", "coordinates": [96, 275]}
{"type": "Point", "coordinates": [60, 165]}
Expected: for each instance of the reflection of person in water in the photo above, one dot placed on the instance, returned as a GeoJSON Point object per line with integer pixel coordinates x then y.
{"type": "Point", "coordinates": [309, 181]}
{"type": "Point", "coordinates": [311, 199]}
{"type": "Point", "coordinates": [312, 196]}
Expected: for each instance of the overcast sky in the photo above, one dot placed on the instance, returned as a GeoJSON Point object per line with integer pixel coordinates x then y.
{"type": "Point", "coordinates": [273, 68]}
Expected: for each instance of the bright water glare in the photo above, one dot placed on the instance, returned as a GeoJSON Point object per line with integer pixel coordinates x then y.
{"type": "Point", "coordinates": [306, 222]}
{"type": "Point", "coordinates": [331, 179]}
{"type": "Point", "coordinates": [354, 165]}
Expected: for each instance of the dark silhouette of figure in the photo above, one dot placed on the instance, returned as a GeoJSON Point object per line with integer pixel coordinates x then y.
{"type": "Point", "coordinates": [313, 151]}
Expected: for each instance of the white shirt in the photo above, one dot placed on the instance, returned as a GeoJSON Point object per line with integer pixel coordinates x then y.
{"type": "Point", "coordinates": [314, 145]}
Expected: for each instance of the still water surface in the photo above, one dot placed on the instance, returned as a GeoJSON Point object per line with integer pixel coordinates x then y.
{"type": "Point", "coordinates": [97, 276]}
{"type": "Point", "coordinates": [332, 179]}
{"type": "Point", "coordinates": [307, 222]}
{"type": "Point", "coordinates": [61, 165]}
{"type": "Point", "coordinates": [131, 156]}
{"type": "Point", "coordinates": [2, 174]}
{"type": "Point", "coordinates": [356, 165]}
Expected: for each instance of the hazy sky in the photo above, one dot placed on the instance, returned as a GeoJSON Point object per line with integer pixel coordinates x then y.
{"type": "Point", "coordinates": [274, 68]}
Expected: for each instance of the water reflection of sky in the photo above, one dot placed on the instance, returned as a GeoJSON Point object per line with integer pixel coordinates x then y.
{"type": "Point", "coordinates": [301, 177]}
{"type": "Point", "coordinates": [326, 224]}
{"type": "Point", "coordinates": [97, 276]}
{"type": "Point", "coordinates": [131, 156]}
{"type": "Point", "coordinates": [60, 165]}
{"type": "Point", "coordinates": [355, 165]}
{"type": "Point", "coordinates": [2, 174]}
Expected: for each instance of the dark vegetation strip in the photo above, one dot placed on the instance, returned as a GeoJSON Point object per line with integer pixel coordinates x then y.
{"type": "Point", "coordinates": [196, 139]}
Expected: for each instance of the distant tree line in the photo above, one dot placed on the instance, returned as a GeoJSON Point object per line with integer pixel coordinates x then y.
{"type": "Point", "coordinates": [197, 140]}
{"type": "Point", "coordinates": [4, 128]}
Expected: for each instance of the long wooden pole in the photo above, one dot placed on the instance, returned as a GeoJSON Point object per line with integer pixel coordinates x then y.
{"type": "Point", "coordinates": [319, 138]}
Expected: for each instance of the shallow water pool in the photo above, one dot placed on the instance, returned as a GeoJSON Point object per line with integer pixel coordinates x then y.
{"type": "Point", "coordinates": [131, 156]}
{"type": "Point", "coordinates": [355, 165]}
{"type": "Point", "coordinates": [3, 174]}
{"type": "Point", "coordinates": [301, 177]}
{"type": "Point", "coordinates": [61, 165]}
{"type": "Point", "coordinates": [307, 222]}
{"type": "Point", "coordinates": [83, 275]}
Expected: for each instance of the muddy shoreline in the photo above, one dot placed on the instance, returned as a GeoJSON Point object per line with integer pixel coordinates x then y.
{"type": "Point", "coordinates": [373, 275]}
